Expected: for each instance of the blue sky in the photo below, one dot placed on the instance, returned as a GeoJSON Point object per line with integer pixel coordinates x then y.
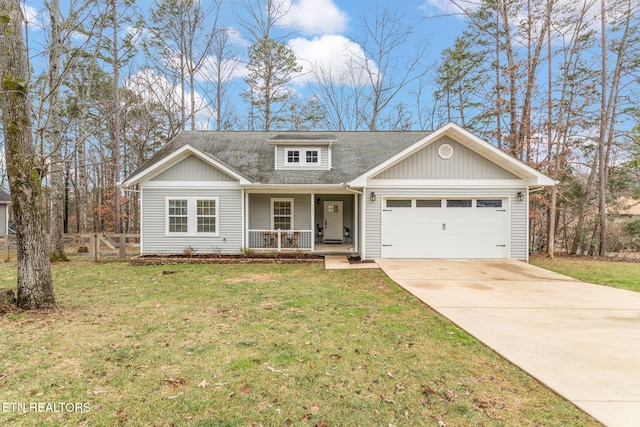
{"type": "Point", "coordinates": [324, 31]}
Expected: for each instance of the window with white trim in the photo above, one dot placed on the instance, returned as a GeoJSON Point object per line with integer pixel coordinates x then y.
{"type": "Point", "coordinates": [302, 156]}
{"type": "Point", "coordinates": [206, 216]}
{"type": "Point", "coordinates": [192, 216]}
{"type": "Point", "coordinates": [311, 156]}
{"type": "Point", "coordinates": [178, 216]}
{"type": "Point", "coordinates": [282, 214]}
{"type": "Point", "coordinates": [293, 156]}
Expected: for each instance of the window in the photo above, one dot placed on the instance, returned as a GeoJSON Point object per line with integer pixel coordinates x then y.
{"type": "Point", "coordinates": [206, 216]}
{"type": "Point", "coordinates": [489, 203]}
{"type": "Point", "coordinates": [465, 203]}
{"type": "Point", "coordinates": [300, 157]}
{"type": "Point", "coordinates": [312, 156]}
{"type": "Point", "coordinates": [428, 203]}
{"type": "Point", "coordinates": [282, 214]}
{"type": "Point", "coordinates": [293, 156]}
{"type": "Point", "coordinates": [178, 216]}
{"type": "Point", "coordinates": [192, 216]}
{"type": "Point", "coordinates": [399, 203]}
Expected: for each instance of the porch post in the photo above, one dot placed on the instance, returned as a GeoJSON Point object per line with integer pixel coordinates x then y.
{"type": "Point", "coordinates": [355, 232]}
{"type": "Point", "coordinates": [244, 225]}
{"type": "Point", "coordinates": [313, 222]}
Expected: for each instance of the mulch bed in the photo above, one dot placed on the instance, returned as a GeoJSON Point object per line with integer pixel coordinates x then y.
{"type": "Point", "coordinates": [294, 258]}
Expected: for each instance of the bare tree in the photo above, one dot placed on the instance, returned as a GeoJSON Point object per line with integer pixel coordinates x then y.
{"type": "Point", "coordinates": [55, 136]}
{"type": "Point", "coordinates": [183, 34]}
{"type": "Point", "coordinates": [26, 170]}
{"type": "Point", "coordinates": [389, 71]}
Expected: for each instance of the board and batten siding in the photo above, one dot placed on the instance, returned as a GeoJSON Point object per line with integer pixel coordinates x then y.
{"type": "Point", "coordinates": [155, 240]}
{"type": "Point", "coordinates": [518, 214]}
{"type": "Point", "coordinates": [281, 151]}
{"type": "Point", "coordinates": [193, 169]}
{"type": "Point", "coordinates": [463, 164]}
{"type": "Point", "coordinates": [260, 210]}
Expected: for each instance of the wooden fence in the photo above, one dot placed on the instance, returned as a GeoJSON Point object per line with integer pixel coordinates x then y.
{"type": "Point", "coordinates": [94, 245]}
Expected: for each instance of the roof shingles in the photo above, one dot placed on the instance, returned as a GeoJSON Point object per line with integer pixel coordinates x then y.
{"type": "Point", "coordinates": [252, 156]}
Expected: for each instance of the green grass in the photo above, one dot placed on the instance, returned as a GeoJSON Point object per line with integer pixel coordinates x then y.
{"type": "Point", "coordinates": [249, 345]}
{"type": "Point", "coordinates": [623, 275]}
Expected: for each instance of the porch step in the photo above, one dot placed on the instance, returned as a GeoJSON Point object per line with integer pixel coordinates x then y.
{"type": "Point", "coordinates": [336, 262]}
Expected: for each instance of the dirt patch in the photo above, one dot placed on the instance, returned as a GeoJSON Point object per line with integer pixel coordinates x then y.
{"type": "Point", "coordinates": [358, 260]}
{"type": "Point", "coordinates": [253, 277]}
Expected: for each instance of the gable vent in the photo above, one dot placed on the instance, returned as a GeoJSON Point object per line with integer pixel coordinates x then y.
{"type": "Point", "coordinates": [445, 151]}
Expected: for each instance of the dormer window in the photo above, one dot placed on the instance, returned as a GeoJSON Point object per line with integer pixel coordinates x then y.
{"type": "Point", "coordinates": [303, 151]}
{"type": "Point", "coordinates": [293, 156]}
{"type": "Point", "coordinates": [312, 156]}
{"type": "Point", "coordinates": [302, 156]}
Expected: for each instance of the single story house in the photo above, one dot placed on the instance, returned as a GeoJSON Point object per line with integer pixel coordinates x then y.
{"type": "Point", "coordinates": [414, 194]}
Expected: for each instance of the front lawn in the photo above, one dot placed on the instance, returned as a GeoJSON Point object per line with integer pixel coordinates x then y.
{"type": "Point", "coordinates": [624, 275]}
{"type": "Point", "coordinates": [252, 345]}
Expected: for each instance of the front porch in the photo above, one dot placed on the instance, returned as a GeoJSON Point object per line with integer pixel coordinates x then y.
{"type": "Point", "coordinates": [320, 223]}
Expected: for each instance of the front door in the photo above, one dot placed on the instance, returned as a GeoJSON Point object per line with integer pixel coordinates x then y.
{"type": "Point", "coordinates": [333, 221]}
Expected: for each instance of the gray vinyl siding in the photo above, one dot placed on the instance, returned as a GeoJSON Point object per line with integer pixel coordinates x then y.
{"type": "Point", "coordinates": [193, 169]}
{"type": "Point", "coordinates": [260, 210]}
{"type": "Point", "coordinates": [3, 218]}
{"type": "Point", "coordinates": [463, 164]}
{"type": "Point", "coordinates": [154, 240]}
{"type": "Point", "coordinates": [281, 151]}
{"type": "Point", "coordinates": [518, 214]}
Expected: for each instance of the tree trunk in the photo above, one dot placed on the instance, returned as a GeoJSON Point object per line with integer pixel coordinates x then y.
{"type": "Point", "coordinates": [55, 139]}
{"type": "Point", "coordinates": [602, 200]}
{"type": "Point", "coordinates": [116, 122]}
{"type": "Point", "coordinates": [35, 283]}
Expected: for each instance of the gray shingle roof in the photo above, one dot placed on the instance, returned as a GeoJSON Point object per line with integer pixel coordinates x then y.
{"type": "Point", "coordinates": [251, 155]}
{"type": "Point", "coordinates": [4, 196]}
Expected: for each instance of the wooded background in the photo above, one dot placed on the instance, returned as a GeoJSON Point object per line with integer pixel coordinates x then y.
{"type": "Point", "coordinates": [554, 83]}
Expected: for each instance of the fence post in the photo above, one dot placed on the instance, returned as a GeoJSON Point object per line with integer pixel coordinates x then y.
{"type": "Point", "coordinates": [123, 246]}
{"type": "Point", "coordinates": [96, 248]}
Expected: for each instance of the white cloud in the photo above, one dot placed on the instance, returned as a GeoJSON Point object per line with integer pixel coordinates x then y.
{"type": "Point", "coordinates": [33, 17]}
{"type": "Point", "coordinates": [336, 57]}
{"type": "Point", "coordinates": [446, 7]}
{"type": "Point", "coordinates": [315, 17]}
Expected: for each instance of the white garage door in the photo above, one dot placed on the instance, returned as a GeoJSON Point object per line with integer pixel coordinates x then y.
{"type": "Point", "coordinates": [445, 228]}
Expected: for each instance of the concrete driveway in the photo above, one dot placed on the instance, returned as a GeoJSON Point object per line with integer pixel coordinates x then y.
{"type": "Point", "coordinates": [581, 340]}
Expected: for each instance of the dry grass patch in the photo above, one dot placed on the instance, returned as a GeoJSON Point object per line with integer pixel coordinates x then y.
{"type": "Point", "coordinates": [243, 345]}
{"type": "Point", "coordinates": [614, 273]}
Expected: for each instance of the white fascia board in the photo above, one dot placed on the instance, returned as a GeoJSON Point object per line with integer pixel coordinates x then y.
{"type": "Point", "coordinates": [189, 184]}
{"type": "Point", "coordinates": [448, 183]}
{"type": "Point", "coordinates": [297, 189]}
{"type": "Point", "coordinates": [471, 141]}
{"type": "Point", "coordinates": [175, 157]}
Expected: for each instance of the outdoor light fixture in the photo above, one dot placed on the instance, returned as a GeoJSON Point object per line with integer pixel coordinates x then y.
{"type": "Point", "coordinates": [373, 196]}
{"type": "Point", "coordinates": [520, 196]}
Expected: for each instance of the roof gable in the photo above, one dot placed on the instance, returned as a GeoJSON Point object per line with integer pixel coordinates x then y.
{"type": "Point", "coordinates": [166, 158]}
{"type": "Point", "coordinates": [193, 168]}
{"type": "Point", "coordinates": [460, 163]}
{"type": "Point", "coordinates": [479, 146]}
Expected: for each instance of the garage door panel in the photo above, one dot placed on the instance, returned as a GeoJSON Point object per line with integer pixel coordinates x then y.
{"type": "Point", "coordinates": [445, 232]}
